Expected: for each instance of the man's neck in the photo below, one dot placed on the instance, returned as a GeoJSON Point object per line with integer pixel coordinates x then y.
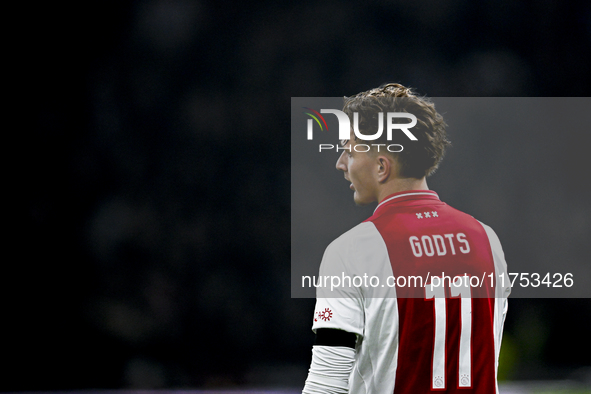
{"type": "Point", "coordinates": [400, 185]}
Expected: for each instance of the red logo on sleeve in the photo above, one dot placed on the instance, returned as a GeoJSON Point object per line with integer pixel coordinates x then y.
{"type": "Point", "coordinates": [325, 315]}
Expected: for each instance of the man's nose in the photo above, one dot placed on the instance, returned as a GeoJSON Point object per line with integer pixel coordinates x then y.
{"type": "Point", "coordinates": [342, 162]}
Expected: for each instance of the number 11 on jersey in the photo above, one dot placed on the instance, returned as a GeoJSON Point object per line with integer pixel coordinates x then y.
{"type": "Point", "coordinates": [458, 289]}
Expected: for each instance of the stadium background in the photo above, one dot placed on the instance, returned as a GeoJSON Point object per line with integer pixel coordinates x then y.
{"type": "Point", "coordinates": [153, 249]}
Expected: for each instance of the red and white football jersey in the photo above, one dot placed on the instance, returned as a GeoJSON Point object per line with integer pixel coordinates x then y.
{"type": "Point", "coordinates": [414, 337]}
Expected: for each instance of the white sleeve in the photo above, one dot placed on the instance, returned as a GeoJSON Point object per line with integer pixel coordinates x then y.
{"type": "Point", "coordinates": [501, 292]}
{"type": "Point", "coordinates": [330, 370]}
{"type": "Point", "coordinates": [503, 288]}
{"type": "Point", "coordinates": [339, 303]}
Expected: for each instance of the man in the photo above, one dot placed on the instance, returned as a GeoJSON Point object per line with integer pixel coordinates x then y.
{"type": "Point", "coordinates": [431, 315]}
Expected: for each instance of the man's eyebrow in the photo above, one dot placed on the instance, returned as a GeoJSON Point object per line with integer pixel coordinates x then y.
{"type": "Point", "coordinates": [344, 142]}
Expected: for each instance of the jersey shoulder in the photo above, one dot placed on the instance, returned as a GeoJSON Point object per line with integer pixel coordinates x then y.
{"type": "Point", "coordinates": [354, 236]}
{"type": "Point", "coordinates": [360, 250]}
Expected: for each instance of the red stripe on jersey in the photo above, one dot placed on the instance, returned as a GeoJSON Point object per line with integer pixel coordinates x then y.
{"type": "Point", "coordinates": [425, 236]}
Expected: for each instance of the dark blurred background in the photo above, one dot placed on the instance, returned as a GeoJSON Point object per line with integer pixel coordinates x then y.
{"type": "Point", "coordinates": [154, 246]}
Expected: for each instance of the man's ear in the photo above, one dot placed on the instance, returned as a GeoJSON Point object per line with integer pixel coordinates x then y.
{"type": "Point", "coordinates": [385, 168]}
